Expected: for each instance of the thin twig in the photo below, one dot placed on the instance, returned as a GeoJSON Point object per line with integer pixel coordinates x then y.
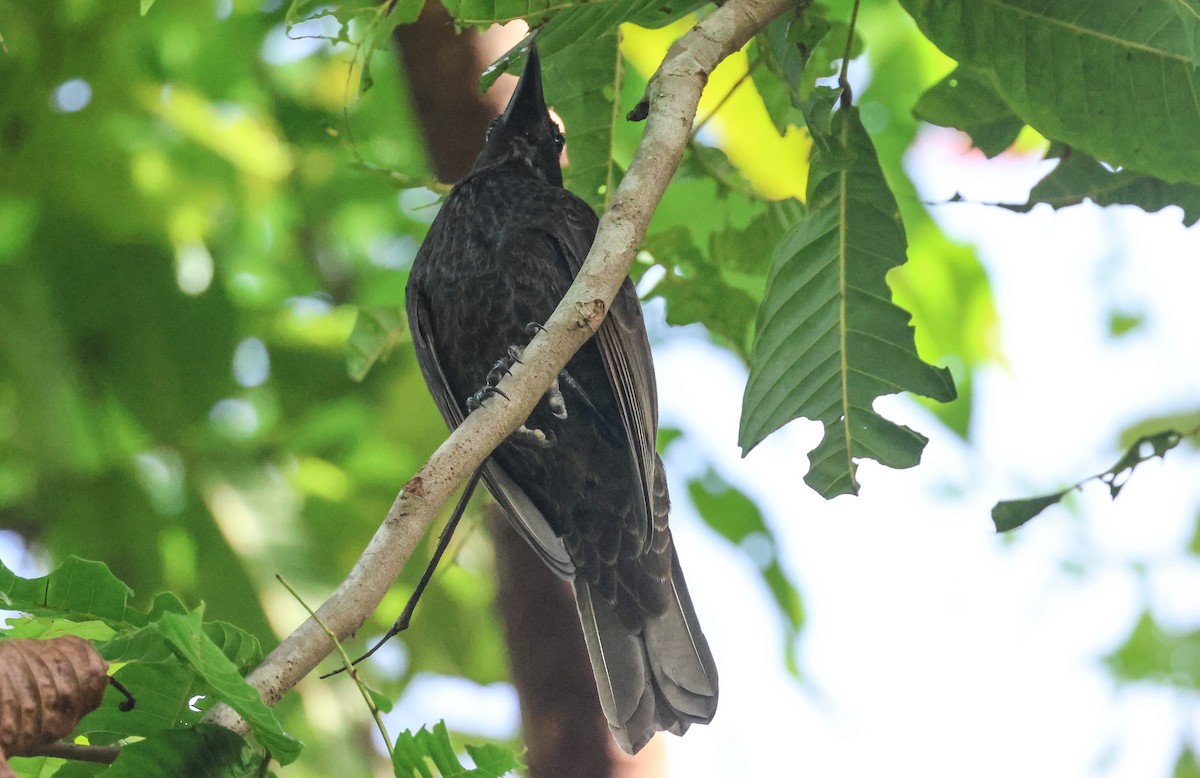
{"type": "Point", "coordinates": [78, 752]}
{"type": "Point", "coordinates": [847, 98]}
{"type": "Point", "coordinates": [346, 662]}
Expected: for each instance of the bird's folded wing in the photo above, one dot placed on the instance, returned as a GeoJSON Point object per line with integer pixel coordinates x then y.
{"type": "Point", "coordinates": [527, 519]}
{"type": "Point", "coordinates": [624, 348]}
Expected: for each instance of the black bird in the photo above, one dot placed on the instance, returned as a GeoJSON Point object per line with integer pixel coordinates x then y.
{"type": "Point", "coordinates": [581, 480]}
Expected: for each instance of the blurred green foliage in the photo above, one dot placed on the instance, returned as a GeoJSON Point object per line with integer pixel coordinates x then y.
{"type": "Point", "coordinates": [186, 229]}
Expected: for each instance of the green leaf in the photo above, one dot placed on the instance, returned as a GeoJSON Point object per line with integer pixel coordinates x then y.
{"type": "Point", "coordinates": [830, 340]}
{"type": "Point", "coordinates": [1122, 323]}
{"type": "Point", "coordinates": [1079, 177]}
{"type": "Point", "coordinates": [146, 6]}
{"type": "Point", "coordinates": [45, 766]}
{"type": "Point", "coordinates": [46, 628]}
{"type": "Point", "coordinates": [1152, 654]}
{"type": "Point", "coordinates": [163, 691]}
{"type": "Point", "coordinates": [581, 83]}
{"type": "Point", "coordinates": [796, 50]}
{"type": "Point", "coordinates": [1186, 766]}
{"type": "Point", "coordinates": [485, 13]}
{"type": "Point", "coordinates": [783, 50]}
{"type": "Point", "coordinates": [377, 332]}
{"type": "Point", "coordinates": [78, 590]}
{"type": "Point", "coordinates": [967, 101]}
{"type": "Point", "coordinates": [700, 293]}
{"type": "Point", "coordinates": [1117, 80]}
{"type": "Point", "coordinates": [430, 754]}
{"type": "Point", "coordinates": [1010, 514]}
{"type": "Point", "coordinates": [735, 516]}
{"type": "Point", "coordinates": [238, 645]}
{"type": "Point", "coordinates": [202, 751]}
{"type": "Point", "coordinates": [189, 639]}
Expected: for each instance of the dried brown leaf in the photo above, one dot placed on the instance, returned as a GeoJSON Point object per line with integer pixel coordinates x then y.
{"type": "Point", "coordinates": [46, 687]}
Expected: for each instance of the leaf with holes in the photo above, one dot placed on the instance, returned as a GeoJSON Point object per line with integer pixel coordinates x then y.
{"type": "Point", "coordinates": [1010, 514]}
{"type": "Point", "coordinates": [1117, 79]}
{"type": "Point", "coordinates": [830, 339]}
{"type": "Point", "coordinates": [1078, 177]}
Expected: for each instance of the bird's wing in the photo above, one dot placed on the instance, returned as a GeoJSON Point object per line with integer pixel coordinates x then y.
{"type": "Point", "coordinates": [625, 350]}
{"type": "Point", "coordinates": [529, 521]}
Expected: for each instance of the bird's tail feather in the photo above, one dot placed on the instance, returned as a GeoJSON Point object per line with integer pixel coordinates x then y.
{"type": "Point", "coordinates": [661, 678]}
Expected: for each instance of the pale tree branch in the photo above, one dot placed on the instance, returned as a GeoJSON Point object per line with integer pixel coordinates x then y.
{"type": "Point", "coordinates": [673, 93]}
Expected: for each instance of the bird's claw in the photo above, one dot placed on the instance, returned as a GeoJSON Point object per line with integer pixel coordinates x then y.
{"type": "Point", "coordinates": [475, 401]}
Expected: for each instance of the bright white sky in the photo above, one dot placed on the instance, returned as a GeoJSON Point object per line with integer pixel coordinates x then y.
{"type": "Point", "coordinates": [933, 647]}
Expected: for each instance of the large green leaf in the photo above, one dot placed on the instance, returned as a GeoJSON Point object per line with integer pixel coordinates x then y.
{"type": "Point", "coordinates": [163, 691]}
{"type": "Point", "coordinates": [830, 340]}
{"type": "Point", "coordinates": [1116, 79]}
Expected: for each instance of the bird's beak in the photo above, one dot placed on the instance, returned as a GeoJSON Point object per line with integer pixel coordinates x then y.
{"type": "Point", "coordinates": [527, 102]}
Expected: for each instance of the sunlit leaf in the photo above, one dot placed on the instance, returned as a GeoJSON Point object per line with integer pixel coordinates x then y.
{"type": "Point", "coordinates": [78, 589]}
{"type": "Point", "coordinates": [163, 690]}
{"type": "Point", "coordinates": [377, 331]}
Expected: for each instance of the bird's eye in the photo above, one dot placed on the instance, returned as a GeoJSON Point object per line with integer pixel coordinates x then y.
{"type": "Point", "coordinates": [557, 135]}
{"type": "Point", "coordinates": [491, 127]}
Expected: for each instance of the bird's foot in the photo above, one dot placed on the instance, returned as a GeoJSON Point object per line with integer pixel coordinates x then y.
{"type": "Point", "coordinates": [502, 368]}
{"type": "Point", "coordinates": [554, 395]}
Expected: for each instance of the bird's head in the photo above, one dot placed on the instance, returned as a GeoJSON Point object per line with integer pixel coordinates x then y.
{"type": "Point", "coordinates": [525, 132]}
